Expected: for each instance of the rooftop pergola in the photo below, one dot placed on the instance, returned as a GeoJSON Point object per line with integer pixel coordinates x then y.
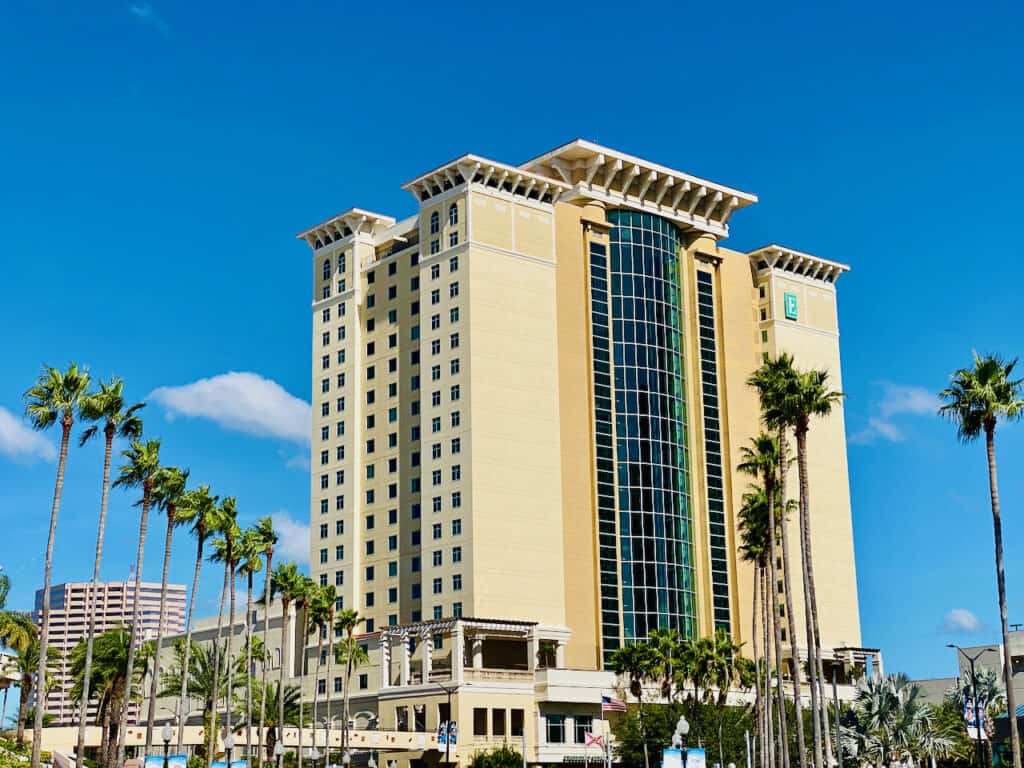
{"type": "Point", "coordinates": [354, 221]}
{"type": "Point", "coordinates": [622, 180]}
{"type": "Point", "coordinates": [479, 170]}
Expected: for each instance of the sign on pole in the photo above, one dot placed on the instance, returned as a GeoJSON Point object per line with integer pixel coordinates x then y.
{"type": "Point", "coordinates": [975, 730]}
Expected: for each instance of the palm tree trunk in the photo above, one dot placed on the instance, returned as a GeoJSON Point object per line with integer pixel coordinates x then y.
{"type": "Point", "coordinates": [108, 433]}
{"type": "Point", "coordinates": [229, 661]}
{"type": "Point", "coordinates": [44, 626]}
{"type": "Point", "coordinates": [780, 693]}
{"type": "Point", "coordinates": [787, 585]}
{"type": "Point", "coordinates": [327, 698]}
{"type": "Point", "coordinates": [769, 734]}
{"type": "Point", "coordinates": [349, 646]}
{"type": "Point", "coordinates": [248, 664]}
{"type": "Point", "coordinates": [104, 752]}
{"type": "Point", "coordinates": [316, 681]}
{"type": "Point", "coordinates": [263, 685]}
{"type": "Point", "coordinates": [212, 735]}
{"type": "Point", "coordinates": [285, 650]}
{"type": "Point", "coordinates": [24, 691]}
{"type": "Point", "coordinates": [136, 618]}
{"type": "Point", "coordinates": [154, 683]}
{"type": "Point", "coordinates": [758, 700]}
{"type": "Point", "coordinates": [997, 531]}
{"type": "Point", "coordinates": [814, 665]}
{"type": "Point", "coordinates": [183, 696]}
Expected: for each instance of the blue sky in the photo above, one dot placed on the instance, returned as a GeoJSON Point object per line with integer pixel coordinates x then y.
{"type": "Point", "coordinates": [157, 160]}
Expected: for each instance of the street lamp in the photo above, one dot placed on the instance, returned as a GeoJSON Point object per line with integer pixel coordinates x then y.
{"type": "Point", "coordinates": [371, 763]}
{"type": "Point", "coordinates": [279, 752]}
{"type": "Point", "coordinates": [166, 735]}
{"type": "Point", "coordinates": [974, 695]}
{"type": "Point", "coordinates": [229, 744]}
{"type": "Point", "coordinates": [346, 758]}
{"type": "Point", "coordinates": [314, 755]}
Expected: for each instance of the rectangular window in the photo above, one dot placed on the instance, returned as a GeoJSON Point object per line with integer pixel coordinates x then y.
{"type": "Point", "coordinates": [392, 543]}
{"type": "Point", "coordinates": [435, 347]}
{"type": "Point", "coordinates": [555, 729]}
{"type": "Point", "coordinates": [454, 392]}
{"type": "Point", "coordinates": [435, 424]}
{"type": "Point", "coordinates": [453, 315]}
{"type": "Point", "coordinates": [392, 594]}
{"type": "Point", "coordinates": [325, 362]}
{"type": "Point", "coordinates": [339, 578]}
{"type": "Point", "coordinates": [369, 573]}
{"type": "Point", "coordinates": [456, 554]}
{"type": "Point", "coordinates": [392, 292]}
{"type": "Point", "coordinates": [435, 477]}
{"type": "Point", "coordinates": [435, 296]}
{"type": "Point", "coordinates": [453, 264]}
{"type": "Point", "coordinates": [436, 502]}
{"type": "Point", "coordinates": [369, 547]}
{"type": "Point", "coordinates": [454, 365]}
{"type": "Point", "coordinates": [437, 557]}
{"type": "Point", "coordinates": [436, 530]}
{"type": "Point", "coordinates": [456, 526]}
{"type": "Point", "coordinates": [369, 599]}
{"type": "Point", "coordinates": [437, 586]}
{"type": "Point", "coordinates": [435, 374]}
{"type": "Point", "coordinates": [453, 341]}
{"type": "Point", "coordinates": [456, 445]}
{"type": "Point", "coordinates": [324, 530]}
{"type": "Point", "coordinates": [435, 451]}
{"type": "Point", "coordinates": [583, 726]}
{"type": "Point", "coordinates": [339, 527]}
{"type": "Point", "coordinates": [453, 290]}
{"type": "Point", "coordinates": [480, 721]}
{"type": "Point", "coordinates": [393, 569]}
{"type": "Point", "coordinates": [435, 271]}
{"type": "Point", "coordinates": [456, 472]}
{"type": "Point", "coordinates": [325, 315]}
{"type": "Point", "coordinates": [323, 555]}
{"type": "Point", "coordinates": [339, 552]}
{"type": "Point", "coordinates": [453, 239]}
{"type": "Point", "coordinates": [325, 432]}
{"type": "Point", "coordinates": [498, 722]}
{"type": "Point", "coordinates": [435, 246]}
{"type": "Point", "coordinates": [457, 582]}
{"type": "Point", "coordinates": [456, 499]}
{"type": "Point", "coordinates": [435, 398]}
{"type": "Point", "coordinates": [457, 609]}
{"type": "Point", "coordinates": [455, 418]}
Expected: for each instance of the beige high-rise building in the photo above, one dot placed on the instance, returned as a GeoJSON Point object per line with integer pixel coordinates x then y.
{"type": "Point", "coordinates": [70, 609]}
{"type": "Point", "coordinates": [529, 403]}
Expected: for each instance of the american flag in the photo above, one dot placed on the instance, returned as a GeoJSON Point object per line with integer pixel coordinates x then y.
{"type": "Point", "coordinates": [608, 704]}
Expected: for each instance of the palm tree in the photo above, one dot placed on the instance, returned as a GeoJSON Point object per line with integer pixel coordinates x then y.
{"type": "Point", "coordinates": [789, 399]}
{"type": "Point", "coordinates": [19, 633]}
{"type": "Point", "coordinates": [264, 528]}
{"type": "Point", "coordinates": [106, 406]}
{"type": "Point", "coordinates": [976, 400]}
{"type": "Point", "coordinates": [666, 647]}
{"type": "Point", "coordinates": [250, 552]}
{"type": "Point", "coordinates": [168, 490]}
{"type": "Point", "coordinates": [754, 533]}
{"type": "Point", "coordinates": [200, 509]}
{"type": "Point", "coordinates": [271, 703]}
{"type": "Point", "coordinates": [224, 552]}
{"type": "Point", "coordinates": [140, 472]}
{"type": "Point", "coordinates": [56, 397]}
{"type": "Point", "coordinates": [108, 673]}
{"type": "Point", "coordinates": [761, 459]}
{"type": "Point", "coordinates": [318, 619]}
{"type": "Point", "coordinates": [637, 665]}
{"type": "Point", "coordinates": [331, 598]}
{"type": "Point", "coordinates": [301, 600]}
{"type": "Point", "coordinates": [345, 623]}
{"type": "Point", "coordinates": [287, 582]}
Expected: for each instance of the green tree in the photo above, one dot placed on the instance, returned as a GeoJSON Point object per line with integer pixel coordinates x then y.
{"type": "Point", "coordinates": [56, 397]}
{"type": "Point", "coordinates": [108, 407]}
{"type": "Point", "coordinates": [264, 529]}
{"type": "Point", "coordinates": [318, 620]}
{"type": "Point", "coordinates": [199, 508]}
{"type": "Point", "coordinates": [351, 655]}
{"type": "Point", "coordinates": [143, 463]}
{"type": "Point", "coordinates": [168, 490]}
{"type": "Point", "coordinates": [272, 705]}
{"type": "Point", "coordinates": [287, 582]}
{"type": "Point", "coordinates": [250, 552]}
{"type": "Point", "coordinates": [224, 552]}
{"type": "Point", "coordinates": [499, 757]}
{"type": "Point", "coordinates": [754, 549]}
{"type": "Point", "coordinates": [637, 664]}
{"type": "Point", "coordinates": [976, 400]}
{"type": "Point", "coordinates": [18, 633]}
{"type": "Point", "coordinates": [762, 459]}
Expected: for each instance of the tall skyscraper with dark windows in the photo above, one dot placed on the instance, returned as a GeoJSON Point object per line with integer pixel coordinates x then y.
{"type": "Point", "coordinates": [530, 399]}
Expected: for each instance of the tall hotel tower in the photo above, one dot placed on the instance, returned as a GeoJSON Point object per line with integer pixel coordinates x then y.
{"type": "Point", "coordinates": [530, 398]}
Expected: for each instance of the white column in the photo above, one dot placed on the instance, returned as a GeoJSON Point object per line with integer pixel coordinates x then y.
{"type": "Point", "coordinates": [428, 656]}
{"type": "Point", "coordinates": [385, 661]}
{"type": "Point", "coordinates": [458, 653]}
{"type": "Point", "coordinates": [295, 643]}
{"type": "Point", "coordinates": [532, 651]}
{"type": "Point", "coordinates": [560, 654]}
{"type": "Point", "coordinates": [403, 672]}
{"type": "Point", "coordinates": [478, 652]}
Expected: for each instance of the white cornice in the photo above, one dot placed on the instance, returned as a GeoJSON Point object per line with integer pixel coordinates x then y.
{"type": "Point", "coordinates": [346, 225]}
{"type": "Point", "coordinates": [479, 170]}
{"type": "Point", "coordinates": [780, 258]}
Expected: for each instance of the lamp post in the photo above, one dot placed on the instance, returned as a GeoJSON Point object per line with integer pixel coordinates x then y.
{"type": "Point", "coordinates": [165, 734]}
{"type": "Point", "coordinates": [279, 751]}
{"type": "Point", "coordinates": [448, 726]}
{"type": "Point", "coordinates": [314, 755]}
{"type": "Point", "coordinates": [346, 759]}
{"type": "Point", "coordinates": [974, 696]}
{"type": "Point", "coordinates": [229, 744]}
{"type": "Point", "coordinates": [371, 763]}
{"type": "Point", "coordinates": [327, 742]}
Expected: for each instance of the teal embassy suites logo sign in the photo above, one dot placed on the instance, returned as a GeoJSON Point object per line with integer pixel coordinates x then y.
{"type": "Point", "coordinates": [789, 303]}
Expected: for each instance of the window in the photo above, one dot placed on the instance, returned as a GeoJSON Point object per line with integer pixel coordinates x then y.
{"type": "Point", "coordinates": [321, 686]}
{"type": "Point", "coordinates": [371, 373]}
{"type": "Point", "coordinates": [414, 357]}
{"type": "Point", "coordinates": [453, 290]}
{"type": "Point", "coordinates": [325, 432]}
{"type": "Point", "coordinates": [416, 591]}
{"type": "Point", "coordinates": [456, 499]}
{"type": "Point", "coordinates": [436, 530]}
{"type": "Point", "coordinates": [414, 434]}
{"type": "Point", "coordinates": [414, 565]}
{"type": "Point", "coordinates": [339, 578]}
{"type": "Point", "coordinates": [453, 264]}
{"type": "Point", "coordinates": [435, 424]}
{"type": "Point", "coordinates": [414, 510]}
{"type": "Point", "coordinates": [392, 490]}
{"type": "Point", "coordinates": [438, 611]}
{"type": "Point", "coordinates": [437, 557]}
{"type": "Point", "coordinates": [339, 428]}
{"type": "Point", "coordinates": [341, 361]}
{"type": "Point", "coordinates": [370, 446]}
{"type": "Point", "coordinates": [323, 555]}
{"type": "Point", "coordinates": [457, 609]}
{"type": "Point", "coordinates": [392, 439]}
{"type": "Point", "coordinates": [392, 416]}
{"type": "Point", "coordinates": [414, 308]}
{"type": "Point", "coordinates": [392, 594]}
{"type": "Point", "coordinates": [325, 456]}
{"type": "Point", "coordinates": [436, 501]}
{"type": "Point", "coordinates": [339, 453]}
{"type": "Point", "coordinates": [435, 223]}
{"type": "Point", "coordinates": [369, 547]}
{"type": "Point", "coordinates": [435, 451]}
{"type": "Point", "coordinates": [454, 366]}
{"type": "Point", "coordinates": [456, 554]}
{"type": "Point", "coordinates": [325, 338]}
{"type": "Point", "coordinates": [435, 296]}
{"type": "Point", "coordinates": [435, 271]}
{"type": "Point", "coordinates": [414, 284]}
{"type": "Point", "coordinates": [453, 214]}
{"type": "Point", "coordinates": [325, 362]}
{"type": "Point", "coordinates": [435, 398]}
{"type": "Point", "coordinates": [392, 365]}
{"type": "Point", "coordinates": [371, 277]}
{"type": "Point", "coordinates": [369, 573]}
{"type": "Point", "coordinates": [584, 723]}
{"type": "Point", "coordinates": [337, 685]}
{"type": "Point", "coordinates": [392, 340]}
{"type": "Point", "coordinates": [414, 407]}
{"type": "Point", "coordinates": [456, 526]}
{"type": "Point", "coordinates": [339, 477]}
{"type": "Point", "coordinates": [555, 728]}
{"type": "Point", "coordinates": [369, 599]}
{"type": "Point", "coordinates": [370, 325]}
{"type": "Point", "coordinates": [323, 506]}
{"type": "Point", "coordinates": [324, 481]}
{"type": "Point", "coordinates": [392, 268]}
{"type": "Point", "coordinates": [435, 322]}
{"type": "Point", "coordinates": [454, 341]}
{"type": "Point", "coordinates": [339, 552]}
{"type": "Point", "coordinates": [370, 471]}
{"type": "Point", "coordinates": [327, 270]}
{"type": "Point", "coordinates": [435, 246]}
{"type": "Point", "coordinates": [414, 333]}
{"type": "Point", "coordinates": [414, 537]}
{"type": "Point", "coordinates": [764, 337]}
{"type": "Point", "coordinates": [455, 418]}
{"type": "Point", "coordinates": [339, 502]}
{"type": "Point", "coordinates": [760, 291]}
{"type": "Point", "coordinates": [324, 530]}
{"type": "Point", "coordinates": [339, 527]}
{"type": "Point", "coordinates": [371, 300]}
{"type": "Point", "coordinates": [340, 404]}
{"type": "Point", "coordinates": [435, 477]}
{"type": "Point", "coordinates": [480, 721]}
{"type": "Point", "coordinates": [435, 347]}
{"type": "Point", "coordinates": [392, 292]}
{"type": "Point", "coordinates": [437, 586]}
{"type": "Point", "coordinates": [364, 679]}
{"type": "Point", "coordinates": [325, 385]}
{"type": "Point", "coordinates": [341, 333]}
{"type": "Point", "coordinates": [392, 543]}
{"type": "Point", "coordinates": [325, 408]}
{"type": "Point", "coordinates": [456, 472]}
{"type": "Point", "coordinates": [435, 374]}
{"type": "Point", "coordinates": [453, 315]}
{"type": "Point", "coordinates": [414, 383]}
{"type": "Point", "coordinates": [370, 522]}
{"type": "Point", "coordinates": [454, 392]}
{"type": "Point", "coordinates": [457, 582]}
{"type": "Point", "coordinates": [453, 239]}
{"type": "Point", "coordinates": [393, 569]}
{"type": "Point", "coordinates": [498, 722]}
{"type": "Point", "coordinates": [516, 715]}
{"type": "Point", "coordinates": [456, 445]}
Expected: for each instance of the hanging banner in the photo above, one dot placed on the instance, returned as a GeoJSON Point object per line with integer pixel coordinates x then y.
{"type": "Point", "coordinates": [173, 761]}
{"type": "Point", "coordinates": [695, 758]}
{"type": "Point", "coordinates": [671, 758]}
{"type": "Point", "coordinates": [973, 730]}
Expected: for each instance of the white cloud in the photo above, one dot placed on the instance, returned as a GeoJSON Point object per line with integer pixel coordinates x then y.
{"type": "Point", "coordinates": [961, 620]}
{"type": "Point", "coordinates": [240, 401]}
{"type": "Point", "coordinates": [299, 461]}
{"type": "Point", "coordinates": [293, 538]}
{"type": "Point", "coordinates": [22, 443]}
{"type": "Point", "coordinates": [896, 400]}
{"type": "Point", "coordinates": [146, 14]}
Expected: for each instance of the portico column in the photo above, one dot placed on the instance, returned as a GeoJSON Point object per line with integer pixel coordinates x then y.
{"type": "Point", "coordinates": [458, 653]}
{"type": "Point", "coordinates": [403, 671]}
{"type": "Point", "coordinates": [478, 652]}
{"type": "Point", "coordinates": [428, 656]}
{"type": "Point", "coordinates": [560, 654]}
{"type": "Point", "coordinates": [532, 651]}
{"type": "Point", "coordinates": [385, 661]}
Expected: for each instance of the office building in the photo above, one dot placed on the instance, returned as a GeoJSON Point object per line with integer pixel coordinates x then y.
{"type": "Point", "coordinates": [70, 609]}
